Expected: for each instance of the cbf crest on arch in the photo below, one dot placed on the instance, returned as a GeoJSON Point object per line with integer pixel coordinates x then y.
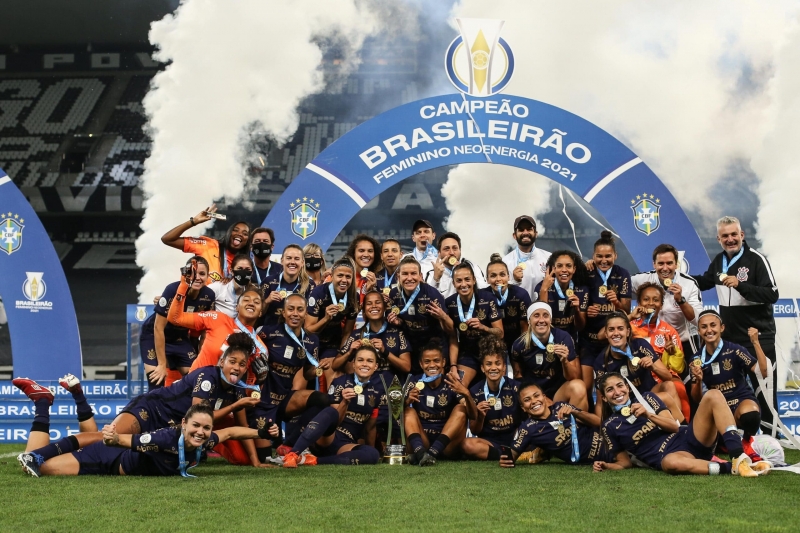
{"type": "Point", "coordinates": [646, 213]}
{"type": "Point", "coordinates": [11, 227]}
{"type": "Point", "coordinates": [305, 214]}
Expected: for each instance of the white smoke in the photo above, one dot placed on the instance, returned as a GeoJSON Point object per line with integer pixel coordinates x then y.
{"type": "Point", "coordinates": [683, 84]}
{"type": "Point", "coordinates": [232, 64]}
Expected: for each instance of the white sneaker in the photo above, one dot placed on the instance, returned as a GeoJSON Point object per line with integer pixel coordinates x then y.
{"type": "Point", "coordinates": [69, 381]}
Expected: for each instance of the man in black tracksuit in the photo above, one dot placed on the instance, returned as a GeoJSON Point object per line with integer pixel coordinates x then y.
{"type": "Point", "coordinates": [746, 295]}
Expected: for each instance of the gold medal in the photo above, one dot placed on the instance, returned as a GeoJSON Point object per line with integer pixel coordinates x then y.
{"type": "Point", "coordinates": [358, 389]}
{"type": "Point", "coordinates": [667, 282]}
{"type": "Point", "coordinates": [697, 362]}
{"type": "Point", "coordinates": [284, 294]}
{"type": "Point", "coordinates": [318, 372]}
{"type": "Point", "coordinates": [452, 261]}
{"type": "Point", "coordinates": [396, 311]}
{"type": "Point", "coordinates": [387, 290]}
{"type": "Point", "coordinates": [364, 272]}
{"type": "Point", "coordinates": [635, 362]}
{"type": "Point", "coordinates": [722, 277]}
{"type": "Point", "coordinates": [650, 311]}
{"type": "Point", "coordinates": [492, 400]}
{"type": "Point", "coordinates": [463, 326]}
{"type": "Point", "coordinates": [625, 411]}
{"type": "Point", "coordinates": [603, 290]}
{"type": "Point", "coordinates": [365, 342]}
{"type": "Point", "coordinates": [256, 395]}
{"type": "Point", "coordinates": [550, 348]}
{"type": "Point", "coordinates": [340, 306]}
{"type": "Point", "coordinates": [420, 385]}
{"type": "Point", "coordinates": [523, 266]}
{"type": "Point", "coordinates": [570, 293]}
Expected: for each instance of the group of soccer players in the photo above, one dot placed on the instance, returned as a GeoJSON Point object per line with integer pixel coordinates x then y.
{"type": "Point", "coordinates": [542, 356]}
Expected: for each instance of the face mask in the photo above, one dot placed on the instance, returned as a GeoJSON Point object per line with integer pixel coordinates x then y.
{"type": "Point", "coordinates": [262, 250]}
{"type": "Point", "coordinates": [242, 277]}
{"type": "Point", "coordinates": [313, 263]}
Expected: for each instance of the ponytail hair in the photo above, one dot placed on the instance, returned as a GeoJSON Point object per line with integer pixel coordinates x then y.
{"type": "Point", "coordinates": [606, 239]}
{"type": "Point", "coordinates": [496, 259]}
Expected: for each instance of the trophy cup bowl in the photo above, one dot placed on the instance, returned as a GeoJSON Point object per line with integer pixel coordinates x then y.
{"type": "Point", "coordinates": [395, 454]}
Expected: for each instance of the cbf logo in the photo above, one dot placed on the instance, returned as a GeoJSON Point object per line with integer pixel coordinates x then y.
{"type": "Point", "coordinates": [479, 62]}
{"type": "Point", "coordinates": [34, 289]}
{"type": "Point", "coordinates": [10, 232]}
{"type": "Point", "coordinates": [645, 213]}
{"type": "Point", "coordinates": [304, 217]}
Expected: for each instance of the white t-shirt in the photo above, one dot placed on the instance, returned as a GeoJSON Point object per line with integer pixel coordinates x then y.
{"type": "Point", "coordinates": [445, 284]}
{"type": "Point", "coordinates": [227, 297]}
{"type": "Point", "coordinates": [671, 312]}
{"type": "Point", "coordinates": [536, 268]}
{"type": "Point", "coordinates": [425, 260]}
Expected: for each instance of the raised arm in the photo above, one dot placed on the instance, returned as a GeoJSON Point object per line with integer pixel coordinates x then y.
{"type": "Point", "coordinates": [174, 237]}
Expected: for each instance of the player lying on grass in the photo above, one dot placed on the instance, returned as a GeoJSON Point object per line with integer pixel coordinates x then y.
{"type": "Point", "coordinates": [554, 429]}
{"type": "Point", "coordinates": [337, 432]}
{"type": "Point", "coordinates": [658, 440]}
{"type": "Point", "coordinates": [110, 453]}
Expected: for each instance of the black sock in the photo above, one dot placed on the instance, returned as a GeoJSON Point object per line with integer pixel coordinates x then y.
{"type": "Point", "coordinates": [733, 442]}
{"type": "Point", "coordinates": [438, 447]}
{"type": "Point", "coordinates": [749, 423]}
{"type": "Point", "coordinates": [41, 419]}
{"type": "Point", "coordinates": [360, 455]}
{"type": "Point", "coordinates": [415, 441]}
{"type": "Point", "coordinates": [264, 453]}
{"type": "Point", "coordinates": [494, 454]}
{"type": "Point", "coordinates": [317, 428]}
{"type": "Point", "coordinates": [59, 447]}
{"type": "Point", "coordinates": [295, 426]}
{"type": "Point", "coordinates": [318, 399]}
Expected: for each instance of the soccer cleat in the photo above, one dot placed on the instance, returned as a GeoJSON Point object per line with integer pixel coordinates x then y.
{"type": "Point", "coordinates": [277, 460]}
{"type": "Point", "coordinates": [761, 468]}
{"type": "Point", "coordinates": [283, 450]}
{"type": "Point", "coordinates": [741, 466]}
{"type": "Point", "coordinates": [537, 455]}
{"type": "Point", "coordinates": [30, 463]}
{"type": "Point", "coordinates": [70, 382]}
{"type": "Point", "coordinates": [308, 459]}
{"type": "Point", "coordinates": [290, 460]}
{"type": "Point", "coordinates": [747, 446]}
{"type": "Point", "coordinates": [427, 460]}
{"type": "Point", "coordinates": [415, 457]}
{"type": "Point", "coordinates": [33, 390]}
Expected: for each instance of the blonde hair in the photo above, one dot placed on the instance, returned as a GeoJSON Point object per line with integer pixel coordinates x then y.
{"type": "Point", "coordinates": [302, 275]}
{"type": "Point", "coordinates": [311, 249]}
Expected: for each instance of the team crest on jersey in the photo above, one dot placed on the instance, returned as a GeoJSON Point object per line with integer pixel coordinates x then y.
{"type": "Point", "coordinates": [421, 308]}
{"type": "Point", "coordinates": [372, 401]}
{"type": "Point", "coordinates": [11, 227]}
{"type": "Point", "coordinates": [646, 216]}
{"type": "Point", "coordinates": [390, 342]}
{"type": "Point", "coordinates": [550, 358]}
{"type": "Point", "coordinates": [727, 365]}
{"type": "Point", "coordinates": [479, 62]}
{"type": "Point", "coordinates": [660, 341]}
{"type": "Point", "coordinates": [481, 314]}
{"type": "Point", "coordinates": [508, 401]}
{"type": "Point", "coordinates": [305, 214]}
{"type": "Point", "coordinates": [443, 399]}
{"type": "Point", "coordinates": [512, 311]}
{"type": "Point", "coordinates": [261, 422]}
{"type": "Point", "coordinates": [741, 275]}
{"type": "Point", "coordinates": [143, 415]}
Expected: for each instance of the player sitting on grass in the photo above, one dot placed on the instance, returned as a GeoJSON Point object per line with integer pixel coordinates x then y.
{"type": "Point", "coordinates": [434, 412]}
{"type": "Point", "coordinates": [109, 453]}
{"type": "Point", "coordinates": [658, 440]}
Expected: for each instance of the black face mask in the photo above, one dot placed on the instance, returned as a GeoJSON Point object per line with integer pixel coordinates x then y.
{"type": "Point", "coordinates": [242, 277]}
{"type": "Point", "coordinates": [262, 250]}
{"type": "Point", "coordinates": [313, 263]}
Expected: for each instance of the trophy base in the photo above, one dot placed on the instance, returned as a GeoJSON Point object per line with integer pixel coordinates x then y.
{"type": "Point", "coordinates": [395, 459]}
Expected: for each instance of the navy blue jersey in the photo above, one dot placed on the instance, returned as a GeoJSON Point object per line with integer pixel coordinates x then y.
{"type": "Point", "coordinates": [512, 311]}
{"type": "Point", "coordinates": [274, 311]}
{"type": "Point", "coordinates": [318, 302]}
{"type": "Point", "coordinates": [620, 281]}
{"type": "Point", "coordinates": [394, 342]}
{"type": "Point", "coordinates": [435, 405]}
{"type": "Point", "coordinates": [563, 315]}
{"type": "Point", "coordinates": [286, 357]}
{"type": "Point", "coordinates": [261, 275]}
{"type": "Point", "coordinates": [555, 436]}
{"type": "Point", "coordinates": [156, 453]}
{"type": "Point", "coordinates": [360, 409]}
{"type": "Point", "coordinates": [501, 421]}
{"type": "Point", "coordinates": [639, 436]}
{"type": "Point", "coordinates": [172, 333]}
{"type": "Point", "coordinates": [641, 377]}
{"type": "Point", "coordinates": [728, 372]}
{"type": "Point", "coordinates": [418, 325]}
{"type": "Point", "coordinates": [544, 369]}
{"type": "Point", "coordinates": [205, 383]}
{"type": "Point", "coordinates": [382, 281]}
{"type": "Point", "coordinates": [485, 311]}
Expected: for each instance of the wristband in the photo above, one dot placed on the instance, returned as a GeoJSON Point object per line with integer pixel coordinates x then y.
{"type": "Point", "coordinates": [682, 301]}
{"type": "Point", "coordinates": [191, 221]}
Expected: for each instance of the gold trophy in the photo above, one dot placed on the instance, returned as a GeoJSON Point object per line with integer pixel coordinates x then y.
{"type": "Point", "coordinates": [395, 454]}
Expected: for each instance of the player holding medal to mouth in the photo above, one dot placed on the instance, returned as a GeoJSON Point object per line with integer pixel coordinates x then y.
{"type": "Point", "coordinates": [658, 440]}
{"type": "Point", "coordinates": [386, 276]}
{"type": "Point", "coordinates": [292, 279]}
{"type": "Point", "coordinates": [554, 429]}
{"type": "Point", "coordinates": [424, 251]}
{"type": "Point", "coordinates": [474, 314]}
{"type": "Point", "coordinates": [441, 276]}
{"type": "Point", "coordinates": [363, 251]}
{"type": "Point", "coordinates": [636, 360]}
{"type": "Point", "coordinates": [723, 365]}
{"type": "Point", "coordinates": [492, 404]}
{"type": "Point", "coordinates": [334, 434]}
{"type": "Point", "coordinates": [546, 356]}
{"type": "Point", "coordinates": [435, 416]}
{"type": "Point", "coordinates": [512, 301]}
{"type": "Point", "coordinates": [526, 262]}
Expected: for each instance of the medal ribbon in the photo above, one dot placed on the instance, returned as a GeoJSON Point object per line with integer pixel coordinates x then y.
{"type": "Point", "coordinates": [411, 299]}
{"type": "Point", "coordinates": [627, 353]}
{"type": "Point", "coordinates": [333, 296]}
{"type": "Point", "coordinates": [714, 356]}
{"type": "Point", "coordinates": [726, 265]}
{"type": "Point", "coordinates": [387, 280]}
{"type": "Point", "coordinates": [557, 285]}
{"type": "Point", "coordinates": [488, 394]}
{"type": "Point", "coordinates": [618, 408]}
{"type": "Point", "coordinates": [367, 332]}
{"type": "Point", "coordinates": [461, 310]}
{"type": "Point", "coordinates": [357, 382]}
{"type": "Point", "coordinates": [538, 343]}
{"type": "Point", "coordinates": [427, 379]}
{"type": "Point", "coordinates": [300, 343]}
{"type": "Point", "coordinates": [226, 270]}
{"type": "Point", "coordinates": [429, 249]}
{"type": "Point", "coordinates": [259, 345]}
{"type": "Point", "coordinates": [258, 276]}
{"type": "Point", "coordinates": [604, 276]}
{"type": "Point", "coordinates": [239, 384]}
{"type": "Point", "coordinates": [523, 257]}
{"type": "Point", "coordinates": [183, 464]}
{"type": "Point", "coordinates": [501, 300]}
{"type": "Point", "coordinates": [576, 451]}
{"type": "Point", "coordinates": [280, 284]}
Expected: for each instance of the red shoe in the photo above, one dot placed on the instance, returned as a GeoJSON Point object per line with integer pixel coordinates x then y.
{"type": "Point", "coordinates": [283, 450]}
{"type": "Point", "coordinates": [290, 460]}
{"type": "Point", "coordinates": [747, 446]}
{"type": "Point", "coordinates": [33, 390]}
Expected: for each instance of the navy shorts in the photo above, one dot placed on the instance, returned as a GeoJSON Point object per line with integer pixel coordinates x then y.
{"type": "Point", "coordinates": [180, 354]}
{"type": "Point", "coordinates": [469, 361]}
{"type": "Point", "coordinates": [685, 441]}
{"type": "Point", "coordinates": [501, 439]}
{"type": "Point", "coordinates": [148, 414]}
{"type": "Point", "coordinates": [99, 460]}
{"type": "Point", "coordinates": [733, 403]}
{"type": "Point", "coordinates": [269, 408]}
{"type": "Point", "coordinates": [589, 351]}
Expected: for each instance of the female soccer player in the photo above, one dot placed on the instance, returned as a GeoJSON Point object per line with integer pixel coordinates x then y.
{"type": "Point", "coordinates": [435, 417]}
{"type": "Point", "coordinates": [168, 451]}
{"type": "Point", "coordinates": [546, 356]}
{"type": "Point", "coordinates": [723, 365]}
{"type": "Point", "coordinates": [364, 251]}
{"type": "Point", "coordinates": [659, 441]}
{"type": "Point", "coordinates": [609, 291]}
{"type": "Point", "coordinates": [344, 434]}
{"type": "Point", "coordinates": [646, 324]}
{"type": "Point", "coordinates": [293, 279]}
{"type": "Point", "coordinates": [636, 360]}
{"type": "Point", "coordinates": [558, 429]}
{"type": "Point", "coordinates": [167, 345]}
{"type": "Point", "coordinates": [512, 300]}
{"type": "Point", "coordinates": [227, 291]}
{"type": "Point", "coordinates": [491, 404]}
{"type": "Point", "coordinates": [315, 263]}
{"type": "Point", "coordinates": [474, 314]}
{"type": "Point", "coordinates": [219, 254]}
{"type": "Point", "coordinates": [332, 311]}
{"type": "Point", "coordinates": [386, 275]}
{"type": "Point", "coordinates": [564, 289]}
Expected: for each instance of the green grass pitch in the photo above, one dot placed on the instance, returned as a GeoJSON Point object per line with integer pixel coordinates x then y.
{"type": "Point", "coordinates": [464, 496]}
